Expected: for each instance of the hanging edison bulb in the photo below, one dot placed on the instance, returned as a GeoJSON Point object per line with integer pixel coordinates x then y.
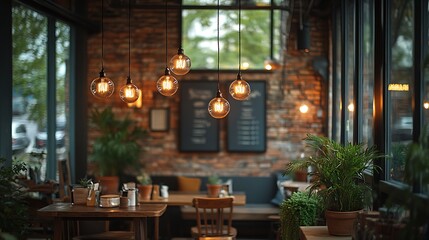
{"type": "Point", "coordinates": [129, 93]}
{"type": "Point", "coordinates": [239, 89]}
{"type": "Point", "coordinates": [102, 87]}
{"type": "Point", "coordinates": [167, 85]}
{"type": "Point", "coordinates": [218, 106]}
{"type": "Point", "coordinates": [180, 64]}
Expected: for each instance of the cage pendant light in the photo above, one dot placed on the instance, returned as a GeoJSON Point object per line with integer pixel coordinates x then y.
{"type": "Point", "coordinates": [102, 87]}
{"type": "Point", "coordinates": [239, 88]}
{"type": "Point", "coordinates": [167, 85]}
{"type": "Point", "coordinates": [218, 107]}
{"type": "Point", "coordinates": [180, 64]}
{"type": "Point", "coordinates": [129, 93]}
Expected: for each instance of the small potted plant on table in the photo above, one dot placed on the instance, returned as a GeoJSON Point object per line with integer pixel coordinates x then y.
{"type": "Point", "coordinates": [214, 186]}
{"type": "Point", "coordinates": [338, 178]}
{"type": "Point", "coordinates": [145, 186]}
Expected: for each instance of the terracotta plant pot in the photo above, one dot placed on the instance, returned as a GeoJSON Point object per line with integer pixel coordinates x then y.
{"type": "Point", "coordinates": [80, 194]}
{"type": "Point", "coordinates": [340, 223]}
{"type": "Point", "coordinates": [109, 184]}
{"type": "Point", "coordinates": [213, 190]}
{"type": "Point", "coordinates": [145, 192]}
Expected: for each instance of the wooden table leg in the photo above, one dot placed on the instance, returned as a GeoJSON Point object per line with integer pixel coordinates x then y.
{"type": "Point", "coordinates": [156, 230]}
{"type": "Point", "coordinates": [140, 228]}
{"type": "Point", "coordinates": [58, 228]}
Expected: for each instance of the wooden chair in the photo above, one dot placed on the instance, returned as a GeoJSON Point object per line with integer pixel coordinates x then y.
{"type": "Point", "coordinates": [214, 218]}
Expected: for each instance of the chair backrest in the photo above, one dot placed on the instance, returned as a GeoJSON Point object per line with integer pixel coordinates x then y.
{"type": "Point", "coordinates": [214, 216]}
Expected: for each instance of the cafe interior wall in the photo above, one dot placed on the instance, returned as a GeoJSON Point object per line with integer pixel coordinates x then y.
{"type": "Point", "coordinates": [296, 83]}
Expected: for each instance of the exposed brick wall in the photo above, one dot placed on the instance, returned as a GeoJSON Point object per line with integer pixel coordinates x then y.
{"type": "Point", "coordinates": [287, 88]}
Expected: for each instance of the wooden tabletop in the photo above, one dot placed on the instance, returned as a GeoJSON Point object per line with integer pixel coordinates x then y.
{"type": "Point", "coordinates": [299, 186]}
{"type": "Point", "coordinates": [318, 233]}
{"type": "Point", "coordinates": [67, 210]}
{"type": "Point", "coordinates": [185, 199]}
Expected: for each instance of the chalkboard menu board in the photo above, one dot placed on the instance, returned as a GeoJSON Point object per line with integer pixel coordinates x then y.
{"type": "Point", "coordinates": [247, 121]}
{"type": "Point", "coordinates": [198, 130]}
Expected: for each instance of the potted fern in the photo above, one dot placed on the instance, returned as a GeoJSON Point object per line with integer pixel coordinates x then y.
{"type": "Point", "coordinates": [116, 148]}
{"type": "Point", "coordinates": [338, 178]}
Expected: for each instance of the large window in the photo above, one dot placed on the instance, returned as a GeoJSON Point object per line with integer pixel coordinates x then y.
{"type": "Point", "coordinates": [401, 84]}
{"type": "Point", "coordinates": [260, 33]}
{"type": "Point", "coordinates": [40, 82]}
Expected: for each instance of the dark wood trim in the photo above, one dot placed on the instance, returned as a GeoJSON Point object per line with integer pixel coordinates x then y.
{"type": "Point", "coordinates": [6, 80]}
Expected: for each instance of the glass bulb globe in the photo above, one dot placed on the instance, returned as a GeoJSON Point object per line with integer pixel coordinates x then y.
{"type": "Point", "coordinates": [239, 89]}
{"type": "Point", "coordinates": [167, 85]}
{"type": "Point", "coordinates": [218, 107]}
{"type": "Point", "coordinates": [102, 87]}
{"type": "Point", "coordinates": [180, 64]}
{"type": "Point", "coordinates": [129, 93]}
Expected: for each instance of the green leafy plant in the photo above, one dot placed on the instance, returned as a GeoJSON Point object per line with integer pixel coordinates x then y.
{"type": "Point", "coordinates": [118, 145]}
{"type": "Point", "coordinates": [214, 180]}
{"type": "Point", "coordinates": [85, 182]}
{"type": "Point", "coordinates": [338, 173]}
{"type": "Point", "coordinates": [301, 209]}
{"type": "Point", "coordinates": [144, 179]}
{"type": "Point", "coordinates": [13, 207]}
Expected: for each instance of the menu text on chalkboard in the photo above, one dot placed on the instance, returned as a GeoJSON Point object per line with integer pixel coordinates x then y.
{"type": "Point", "coordinates": [247, 121]}
{"type": "Point", "coordinates": [198, 130]}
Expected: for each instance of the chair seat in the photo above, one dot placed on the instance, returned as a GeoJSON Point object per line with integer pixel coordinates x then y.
{"type": "Point", "coordinates": [107, 235]}
{"type": "Point", "coordinates": [194, 232]}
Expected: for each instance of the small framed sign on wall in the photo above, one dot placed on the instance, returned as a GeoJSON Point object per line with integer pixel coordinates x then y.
{"type": "Point", "coordinates": [159, 119]}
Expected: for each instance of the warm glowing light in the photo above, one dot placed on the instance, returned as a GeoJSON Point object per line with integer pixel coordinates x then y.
{"type": "Point", "coordinates": [167, 85]}
{"type": "Point", "coordinates": [239, 89]}
{"type": "Point", "coordinates": [399, 87]}
{"type": "Point", "coordinates": [245, 65]}
{"type": "Point", "coordinates": [426, 105]}
{"type": "Point", "coordinates": [351, 107]}
{"type": "Point", "coordinates": [129, 92]}
{"type": "Point", "coordinates": [218, 107]}
{"type": "Point", "coordinates": [102, 87]}
{"type": "Point", "coordinates": [139, 102]}
{"type": "Point", "coordinates": [180, 64]}
{"type": "Point", "coordinates": [271, 64]}
{"type": "Point", "coordinates": [303, 108]}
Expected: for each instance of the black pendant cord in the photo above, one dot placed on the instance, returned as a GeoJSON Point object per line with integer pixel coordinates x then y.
{"type": "Point", "coordinates": [129, 39]}
{"type": "Point", "coordinates": [102, 35]}
{"type": "Point", "coordinates": [166, 36]}
{"type": "Point", "coordinates": [239, 37]}
{"type": "Point", "coordinates": [218, 48]}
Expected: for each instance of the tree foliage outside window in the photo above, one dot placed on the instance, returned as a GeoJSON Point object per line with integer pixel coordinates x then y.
{"type": "Point", "coordinates": [199, 35]}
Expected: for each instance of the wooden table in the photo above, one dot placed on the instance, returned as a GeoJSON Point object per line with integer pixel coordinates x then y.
{"type": "Point", "coordinates": [295, 186]}
{"type": "Point", "coordinates": [62, 212]}
{"type": "Point", "coordinates": [318, 233]}
{"type": "Point", "coordinates": [185, 199]}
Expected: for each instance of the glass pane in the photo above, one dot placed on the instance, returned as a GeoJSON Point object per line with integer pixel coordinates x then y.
{"type": "Point", "coordinates": [350, 70]}
{"type": "Point", "coordinates": [337, 104]}
{"type": "Point", "coordinates": [200, 38]}
{"type": "Point", "coordinates": [401, 76]}
{"type": "Point", "coordinates": [29, 33]}
{"type": "Point", "coordinates": [368, 73]}
{"type": "Point", "coordinates": [63, 68]}
{"type": "Point", "coordinates": [426, 75]}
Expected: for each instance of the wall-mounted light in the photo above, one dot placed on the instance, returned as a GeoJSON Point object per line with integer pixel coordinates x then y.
{"type": "Point", "coordinates": [426, 105]}
{"type": "Point", "coordinates": [271, 64]}
{"type": "Point", "coordinates": [303, 108]}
